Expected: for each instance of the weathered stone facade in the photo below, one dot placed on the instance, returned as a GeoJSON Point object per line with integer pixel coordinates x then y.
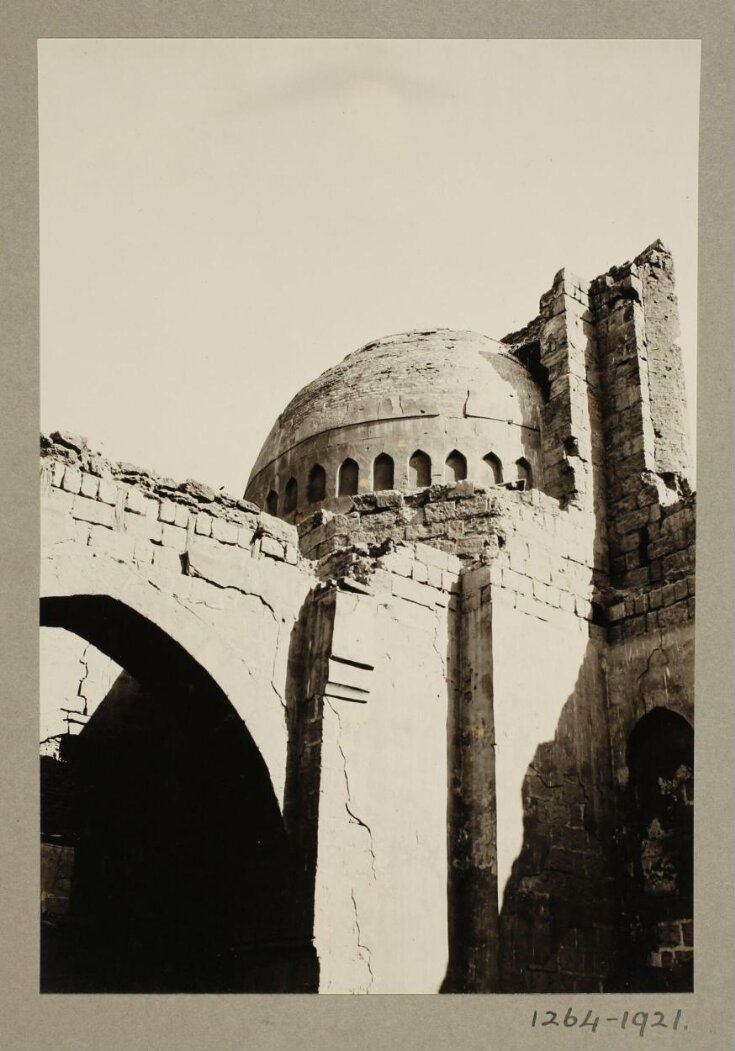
{"type": "Point", "coordinates": [431, 720]}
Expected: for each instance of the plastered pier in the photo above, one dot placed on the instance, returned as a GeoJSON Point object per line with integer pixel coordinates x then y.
{"type": "Point", "coordinates": [415, 715]}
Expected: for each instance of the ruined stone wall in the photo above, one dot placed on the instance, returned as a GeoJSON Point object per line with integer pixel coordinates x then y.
{"type": "Point", "coordinates": [666, 386]}
{"type": "Point", "coordinates": [556, 855]}
{"type": "Point", "coordinates": [472, 523]}
{"type": "Point", "coordinates": [234, 576]}
{"type": "Point", "coordinates": [643, 402]}
{"type": "Point", "coordinates": [376, 740]}
{"type": "Point", "coordinates": [314, 671]}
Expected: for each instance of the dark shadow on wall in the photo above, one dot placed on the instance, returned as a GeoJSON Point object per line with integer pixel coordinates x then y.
{"type": "Point", "coordinates": [180, 869]}
{"type": "Point", "coordinates": [582, 910]}
{"type": "Point", "coordinates": [471, 812]}
{"type": "Point", "coordinates": [558, 921]}
{"type": "Point", "coordinates": [657, 877]}
{"type": "Point", "coordinates": [308, 663]}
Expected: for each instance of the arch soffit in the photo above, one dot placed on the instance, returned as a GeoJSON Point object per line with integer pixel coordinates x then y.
{"type": "Point", "coordinates": [67, 573]}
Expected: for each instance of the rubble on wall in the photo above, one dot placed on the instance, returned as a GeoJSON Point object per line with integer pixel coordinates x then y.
{"type": "Point", "coordinates": [74, 450]}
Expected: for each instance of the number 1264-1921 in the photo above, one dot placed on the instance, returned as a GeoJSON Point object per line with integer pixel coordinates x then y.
{"type": "Point", "coordinates": [640, 1020]}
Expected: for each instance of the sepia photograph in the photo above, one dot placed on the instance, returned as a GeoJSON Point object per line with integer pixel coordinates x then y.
{"type": "Point", "coordinates": [368, 511]}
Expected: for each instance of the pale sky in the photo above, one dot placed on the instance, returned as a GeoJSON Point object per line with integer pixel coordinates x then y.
{"type": "Point", "coordinates": [221, 220]}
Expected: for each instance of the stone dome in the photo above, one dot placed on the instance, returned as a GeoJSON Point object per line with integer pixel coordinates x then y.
{"type": "Point", "coordinates": [402, 412]}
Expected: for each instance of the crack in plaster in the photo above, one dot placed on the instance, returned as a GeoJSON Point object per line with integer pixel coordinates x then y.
{"type": "Point", "coordinates": [354, 818]}
{"type": "Point", "coordinates": [435, 644]}
{"type": "Point", "coordinates": [85, 676]}
{"type": "Point", "coordinates": [360, 945]}
{"type": "Point", "coordinates": [362, 948]}
{"type": "Point", "coordinates": [240, 591]}
{"type": "Point", "coordinates": [639, 682]}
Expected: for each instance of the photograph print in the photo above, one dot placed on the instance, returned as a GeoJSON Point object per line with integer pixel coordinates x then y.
{"type": "Point", "coordinates": [368, 386]}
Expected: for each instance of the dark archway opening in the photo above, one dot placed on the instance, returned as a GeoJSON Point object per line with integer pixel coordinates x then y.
{"type": "Point", "coordinates": [658, 891]}
{"type": "Point", "coordinates": [179, 867]}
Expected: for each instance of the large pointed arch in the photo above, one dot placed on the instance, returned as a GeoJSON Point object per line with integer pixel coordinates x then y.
{"type": "Point", "coordinates": [132, 607]}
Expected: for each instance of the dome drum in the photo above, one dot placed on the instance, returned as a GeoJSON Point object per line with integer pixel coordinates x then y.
{"type": "Point", "coordinates": [405, 412]}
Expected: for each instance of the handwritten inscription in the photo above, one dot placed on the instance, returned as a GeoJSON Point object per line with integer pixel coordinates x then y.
{"type": "Point", "coordinates": [642, 1021]}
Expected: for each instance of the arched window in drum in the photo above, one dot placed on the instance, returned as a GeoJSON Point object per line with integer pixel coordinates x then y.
{"type": "Point", "coordinates": [291, 496]}
{"type": "Point", "coordinates": [349, 476]}
{"type": "Point", "coordinates": [419, 470]}
{"type": "Point", "coordinates": [495, 468]}
{"type": "Point", "coordinates": [524, 474]}
{"type": "Point", "coordinates": [317, 485]}
{"type": "Point", "coordinates": [382, 472]}
{"type": "Point", "coordinates": [456, 466]}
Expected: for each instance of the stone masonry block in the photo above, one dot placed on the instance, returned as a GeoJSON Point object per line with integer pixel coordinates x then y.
{"type": "Point", "coordinates": [223, 531]}
{"type": "Point", "coordinates": [420, 572]}
{"type": "Point", "coordinates": [434, 576]}
{"type": "Point", "coordinates": [81, 531]}
{"type": "Point", "coordinates": [529, 605]}
{"type": "Point", "coordinates": [119, 546]}
{"type": "Point", "coordinates": [59, 500]}
{"type": "Point", "coordinates": [517, 581]}
{"type": "Point", "coordinates": [167, 511]}
{"type": "Point", "coordinates": [93, 511]}
{"type": "Point", "coordinates": [173, 537]}
{"type": "Point", "coordinates": [135, 502]}
{"type": "Point", "coordinates": [397, 563]}
{"type": "Point", "coordinates": [90, 486]}
{"type": "Point", "coordinates": [244, 536]}
{"type": "Point", "coordinates": [671, 615]}
{"type": "Point", "coordinates": [450, 582]}
{"type": "Point", "coordinates": [167, 559]}
{"type": "Point", "coordinates": [143, 551]}
{"type": "Point", "coordinates": [181, 516]}
{"type": "Point", "coordinates": [272, 548]}
{"type": "Point", "coordinates": [142, 527]}
{"type": "Point", "coordinates": [108, 491]}
{"type": "Point", "coordinates": [203, 524]}
{"type": "Point", "coordinates": [72, 480]}
{"type": "Point", "coordinates": [411, 590]}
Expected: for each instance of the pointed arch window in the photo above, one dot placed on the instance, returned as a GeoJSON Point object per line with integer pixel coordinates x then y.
{"type": "Point", "coordinates": [419, 470]}
{"type": "Point", "coordinates": [291, 496]}
{"type": "Point", "coordinates": [271, 502]}
{"type": "Point", "coordinates": [523, 469]}
{"type": "Point", "coordinates": [456, 465]}
{"type": "Point", "coordinates": [495, 468]}
{"type": "Point", "coordinates": [349, 477]}
{"type": "Point", "coordinates": [317, 485]}
{"type": "Point", "coordinates": [382, 472]}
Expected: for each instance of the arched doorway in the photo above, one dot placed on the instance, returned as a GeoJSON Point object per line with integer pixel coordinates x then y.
{"type": "Point", "coordinates": [660, 808]}
{"type": "Point", "coordinates": [180, 868]}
